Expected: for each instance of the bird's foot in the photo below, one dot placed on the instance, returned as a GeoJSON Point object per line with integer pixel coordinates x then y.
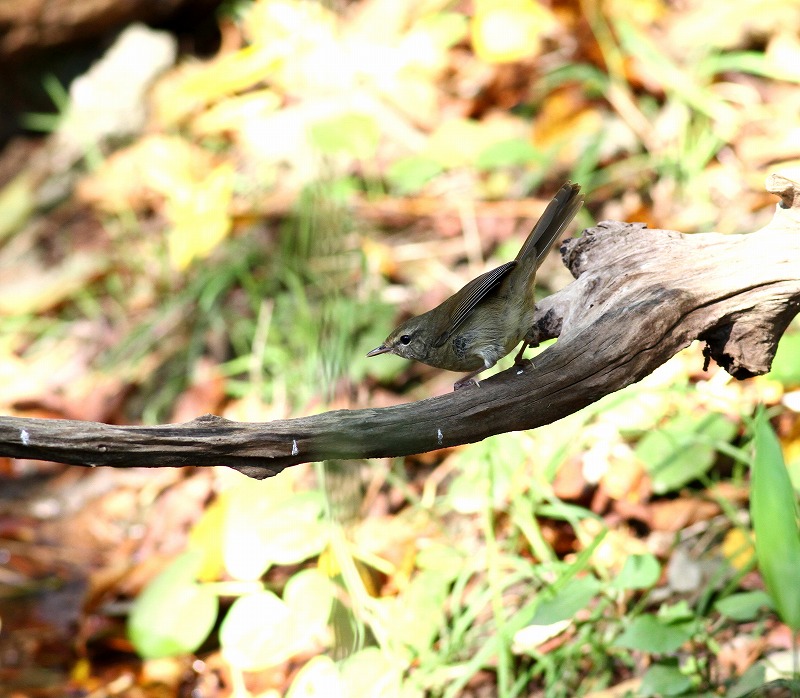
{"type": "Point", "coordinates": [466, 383]}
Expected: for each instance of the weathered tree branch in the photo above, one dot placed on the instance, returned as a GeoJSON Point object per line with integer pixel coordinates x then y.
{"type": "Point", "coordinates": [639, 296]}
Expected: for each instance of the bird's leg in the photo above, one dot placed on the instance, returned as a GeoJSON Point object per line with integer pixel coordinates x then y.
{"type": "Point", "coordinates": [518, 357]}
{"type": "Point", "coordinates": [468, 380]}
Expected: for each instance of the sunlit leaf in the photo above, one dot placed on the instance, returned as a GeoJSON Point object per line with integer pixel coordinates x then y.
{"type": "Point", "coordinates": [174, 614]}
{"type": "Point", "coordinates": [773, 508]}
{"type": "Point", "coordinates": [258, 632]}
{"type": "Point", "coordinates": [409, 175]}
{"type": "Point", "coordinates": [786, 364]}
{"type": "Point", "coordinates": [356, 135]}
{"type": "Point", "coordinates": [318, 678]}
{"type": "Point", "coordinates": [207, 536]}
{"type": "Point", "coordinates": [418, 614]}
{"type": "Point", "coordinates": [199, 216]}
{"type": "Point", "coordinates": [511, 153]}
{"type": "Point", "coordinates": [371, 673]}
{"type": "Point", "coordinates": [17, 203]}
{"type": "Point", "coordinates": [639, 572]}
{"type": "Point", "coordinates": [509, 30]}
{"type": "Point", "coordinates": [737, 547]}
{"type": "Point", "coordinates": [309, 594]}
{"type": "Point", "coordinates": [683, 449]}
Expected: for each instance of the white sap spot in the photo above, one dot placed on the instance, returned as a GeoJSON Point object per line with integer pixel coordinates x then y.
{"type": "Point", "coordinates": [25, 437]}
{"type": "Point", "coordinates": [295, 450]}
{"type": "Point", "coordinates": [519, 372]}
{"type": "Point", "coordinates": [439, 436]}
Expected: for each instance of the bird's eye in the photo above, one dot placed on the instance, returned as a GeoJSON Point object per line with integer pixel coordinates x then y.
{"type": "Point", "coordinates": [405, 339]}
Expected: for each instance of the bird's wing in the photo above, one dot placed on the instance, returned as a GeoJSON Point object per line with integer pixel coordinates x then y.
{"type": "Point", "coordinates": [469, 297]}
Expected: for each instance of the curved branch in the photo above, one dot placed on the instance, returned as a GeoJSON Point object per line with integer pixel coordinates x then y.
{"type": "Point", "coordinates": [639, 297]}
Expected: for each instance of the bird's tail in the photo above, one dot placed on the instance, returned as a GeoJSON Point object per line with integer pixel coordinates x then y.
{"type": "Point", "coordinates": [556, 217]}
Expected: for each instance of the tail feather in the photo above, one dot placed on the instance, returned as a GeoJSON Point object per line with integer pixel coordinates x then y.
{"type": "Point", "coordinates": [556, 217]}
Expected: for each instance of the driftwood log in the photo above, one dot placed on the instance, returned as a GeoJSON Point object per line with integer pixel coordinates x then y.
{"type": "Point", "coordinates": [639, 296]}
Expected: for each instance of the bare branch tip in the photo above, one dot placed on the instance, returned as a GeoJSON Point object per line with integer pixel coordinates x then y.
{"type": "Point", "coordinates": [785, 188]}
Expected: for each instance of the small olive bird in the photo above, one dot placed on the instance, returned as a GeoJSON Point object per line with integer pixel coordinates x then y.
{"type": "Point", "coordinates": [477, 326]}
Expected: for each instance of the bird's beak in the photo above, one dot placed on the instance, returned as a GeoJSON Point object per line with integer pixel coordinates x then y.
{"type": "Point", "coordinates": [382, 349]}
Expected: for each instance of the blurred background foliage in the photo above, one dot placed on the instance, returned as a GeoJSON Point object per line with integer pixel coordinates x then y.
{"type": "Point", "coordinates": [229, 231]}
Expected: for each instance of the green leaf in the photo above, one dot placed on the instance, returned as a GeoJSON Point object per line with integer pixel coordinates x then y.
{"type": "Point", "coordinates": [647, 633]}
{"type": "Point", "coordinates": [353, 134]}
{"type": "Point", "coordinates": [418, 614]}
{"type": "Point", "coordinates": [676, 612]}
{"type": "Point", "coordinates": [786, 364]}
{"type": "Point", "coordinates": [446, 28]}
{"type": "Point", "coordinates": [371, 673]}
{"type": "Point", "coordinates": [752, 679]}
{"type": "Point", "coordinates": [309, 595]}
{"type": "Point", "coordinates": [443, 559]}
{"type": "Point", "coordinates": [510, 153]}
{"type": "Point", "coordinates": [745, 606]}
{"type": "Point", "coordinates": [295, 530]}
{"type": "Point", "coordinates": [257, 632]}
{"type": "Point", "coordinates": [174, 614]}
{"type": "Point", "coordinates": [409, 175]}
{"type": "Point", "coordinates": [639, 572]}
{"type": "Point", "coordinates": [664, 679]}
{"type": "Point", "coordinates": [574, 596]}
{"type": "Point", "coordinates": [773, 509]}
{"type": "Point", "coordinates": [683, 449]}
{"type": "Point", "coordinates": [319, 677]}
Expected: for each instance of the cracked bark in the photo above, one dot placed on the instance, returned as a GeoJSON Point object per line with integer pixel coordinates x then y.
{"type": "Point", "coordinates": [639, 297]}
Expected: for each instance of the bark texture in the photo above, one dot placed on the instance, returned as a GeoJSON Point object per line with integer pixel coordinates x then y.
{"type": "Point", "coordinates": [639, 296]}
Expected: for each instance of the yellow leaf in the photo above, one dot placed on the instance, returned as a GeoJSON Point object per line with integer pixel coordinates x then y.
{"type": "Point", "coordinates": [152, 165]}
{"type": "Point", "coordinates": [206, 535]}
{"type": "Point", "coordinates": [199, 216]}
{"type": "Point", "coordinates": [17, 203]}
{"type": "Point", "coordinates": [189, 89]}
{"type": "Point", "coordinates": [232, 113]}
{"type": "Point", "coordinates": [504, 31]}
{"type": "Point", "coordinates": [737, 548]}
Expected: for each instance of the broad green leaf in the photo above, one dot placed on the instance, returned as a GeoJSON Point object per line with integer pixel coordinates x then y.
{"type": "Point", "coordinates": [371, 673]}
{"type": "Point", "coordinates": [683, 449]}
{"type": "Point", "coordinates": [246, 545]}
{"type": "Point", "coordinates": [266, 526]}
{"type": "Point", "coordinates": [445, 28]}
{"type": "Point", "coordinates": [257, 632]}
{"type": "Point", "coordinates": [295, 530]}
{"type": "Point", "coordinates": [647, 633]}
{"type": "Point", "coordinates": [773, 509]}
{"type": "Point", "coordinates": [664, 680]}
{"type": "Point", "coordinates": [639, 572]}
{"type": "Point", "coordinates": [511, 153]}
{"type": "Point", "coordinates": [418, 614]}
{"type": "Point", "coordinates": [745, 606]}
{"type": "Point", "coordinates": [319, 678]}
{"type": "Point", "coordinates": [750, 681]}
{"type": "Point", "coordinates": [575, 595]}
{"type": "Point", "coordinates": [356, 135]}
{"type": "Point", "coordinates": [174, 614]}
{"type": "Point", "coordinates": [309, 594]}
{"type": "Point", "coordinates": [786, 364]}
{"type": "Point", "coordinates": [409, 175]}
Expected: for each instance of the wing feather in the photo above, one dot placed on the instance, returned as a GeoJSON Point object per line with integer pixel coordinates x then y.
{"type": "Point", "coordinates": [472, 294]}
